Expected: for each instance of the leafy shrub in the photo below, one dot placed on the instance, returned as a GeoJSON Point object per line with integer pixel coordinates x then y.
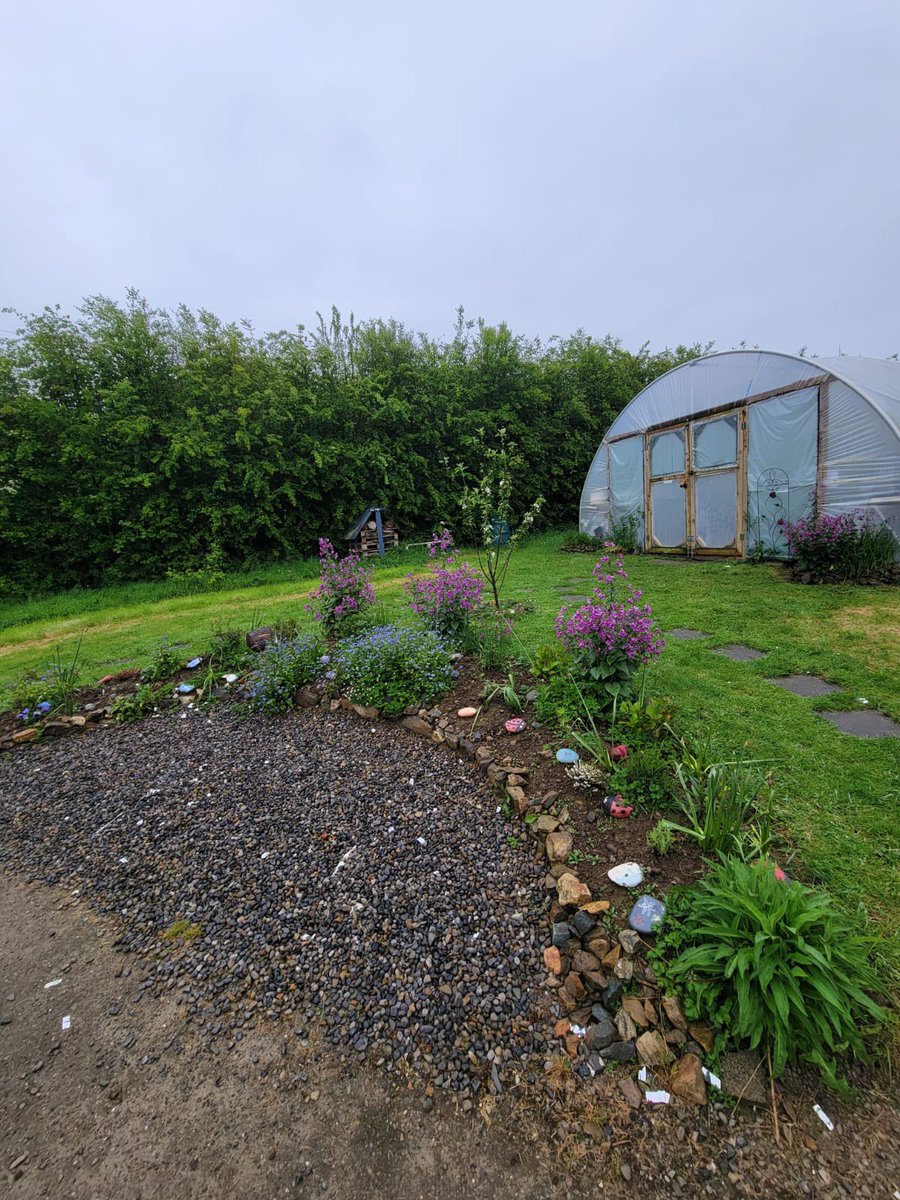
{"type": "Point", "coordinates": [135, 706]}
{"type": "Point", "coordinates": [164, 661]}
{"type": "Point", "coordinates": [283, 667]}
{"type": "Point", "coordinates": [850, 545]}
{"type": "Point", "coordinates": [227, 648]}
{"type": "Point", "coordinates": [345, 590]}
{"type": "Point", "coordinates": [644, 777]}
{"type": "Point", "coordinates": [718, 804]}
{"type": "Point", "coordinates": [612, 637]}
{"type": "Point", "coordinates": [774, 964]}
{"type": "Point", "coordinates": [393, 668]}
{"type": "Point", "coordinates": [626, 533]}
{"type": "Point", "coordinates": [449, 595]}
{"type": "Point", "coordinates": [642, 721]}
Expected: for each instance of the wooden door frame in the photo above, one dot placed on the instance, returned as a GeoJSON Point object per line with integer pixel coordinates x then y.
{"type": "Point", "coordinates": [684, 423]}
{"type": "Point", "coordinates": [740, 469]}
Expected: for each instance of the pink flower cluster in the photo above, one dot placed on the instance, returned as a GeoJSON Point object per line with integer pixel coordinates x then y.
{"type": "Point", "coordinates": [345, 588]}
{"type": "Point", "coordinates": [614, 628]}
{"type": "Point", "coordinates": [448, 595]}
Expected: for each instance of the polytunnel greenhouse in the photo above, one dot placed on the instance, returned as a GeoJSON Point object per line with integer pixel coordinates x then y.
{"type": "Point", "coordinates": [715, 456]}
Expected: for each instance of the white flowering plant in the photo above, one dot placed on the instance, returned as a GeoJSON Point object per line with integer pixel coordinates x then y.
{"type": "Point", "coordinates": [488, 509]}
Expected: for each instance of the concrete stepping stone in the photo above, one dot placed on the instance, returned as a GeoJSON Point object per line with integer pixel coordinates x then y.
{"type": "Point", "coordinates": [569, 599]}
{"type": "Point", "coordinates": [868, 724]}
{"type": "Point", "coordinates": [805, 685]}
{"type": "Point", "coordinates": [685, 635]}
{"type": "Point", "coordinates": [738, 653]}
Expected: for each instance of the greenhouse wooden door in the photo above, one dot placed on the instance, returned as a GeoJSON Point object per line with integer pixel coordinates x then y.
{"type": "Point", "coordinates": [695, 487]}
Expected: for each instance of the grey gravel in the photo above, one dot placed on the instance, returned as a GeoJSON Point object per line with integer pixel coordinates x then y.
{"type": "Point", "coordinates": [296, 845]}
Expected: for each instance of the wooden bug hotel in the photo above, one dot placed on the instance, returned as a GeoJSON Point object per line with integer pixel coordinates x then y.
{"type": "Point", "coordinates": [373, 533]}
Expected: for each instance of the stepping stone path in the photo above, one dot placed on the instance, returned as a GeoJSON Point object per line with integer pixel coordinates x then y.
{"type": "Point", "coordinates": [686, 635]}
{"type": "Point", "coordinates": [805, 685]}
{"type": "Point", "coordinates": [867, 724]}
{"type": "Point", "coordinates": [738, 653]}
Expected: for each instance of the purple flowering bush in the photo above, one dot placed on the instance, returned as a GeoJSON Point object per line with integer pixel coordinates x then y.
{"type": "Point", "coordinates": [345, 590]}
{"type": "Point", "coordinates": [448, 596]}
{"type": "Point", "coordinates": [393, 668]}
{"type": "Point", "coordinates": [840, 546]}
{"type": "Point", "coordinates": [613, 636]}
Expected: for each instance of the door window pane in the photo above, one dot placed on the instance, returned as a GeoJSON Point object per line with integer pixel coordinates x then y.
{"type": "Point", "coordinates": [667, 453]}
{"type": "Point", "coordinates": [715, 442]}
{"type": "Point", "coordinates": [715, 510]}
{"type": "Point", "coordinates": [668, 513]}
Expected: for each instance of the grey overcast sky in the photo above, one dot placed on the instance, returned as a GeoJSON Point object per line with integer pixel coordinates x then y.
{"type": "Point", "coordinates": [661, 171]}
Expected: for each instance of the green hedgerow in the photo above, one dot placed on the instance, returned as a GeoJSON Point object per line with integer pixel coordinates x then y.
{"type": "Point", "coordinates": [772, 963]}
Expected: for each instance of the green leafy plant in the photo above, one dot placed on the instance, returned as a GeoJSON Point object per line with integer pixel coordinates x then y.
{"type": "Point", "coordinates": [227, 647]}
{"type": "Point", "coordinates": [580, 856]}
{"type": "Point", "coordinates": [718, 803]}
{"type": "Point", "coordinates": [646, 719]}
{"type": "Point", "coordinates": [625, 531]}
{"type": "Point", "coordinates": [164, 661]}
{"type": "Point", "coordinates": [55, 689]}
{"type": "Point", "coordinates": [487, 635]}
{"type": "Point", "coordinates": [560, 703]}
{"type": "Point", "coordinates": [548, 660]}
{"type": "Point", "coordinates": [661, 837]}
{"type": "Point", "coordinates": [644, 777]}
{"type": "Point", "coordinates": [135, 705]}
{"type": "Point", "coordinates": [392, 668]}
{"type": "Point", "coordinates": [507, 693]}
{"type": "Point", "coordinates": [775, 964]}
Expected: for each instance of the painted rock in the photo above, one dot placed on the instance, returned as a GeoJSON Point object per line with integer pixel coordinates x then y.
{"type": "Point", "coordinates": [567, 756]}
{"type": "Point", "coordinates": [230, 677]}
{"type": "Point", "coordinates": [618, 753]}
{"type": "Point", "coordinates": [467, 712]}
{"type": "Point", "coordinates": [194, 663]}
{"type": "Point", "coordinates": [185, 689]}
{"type": "Point", "coordinates": [627, 875]}
{"type": "Point", "coordinates": [647, 914]}
{"type": "Point", "coordinates": [515, 725]}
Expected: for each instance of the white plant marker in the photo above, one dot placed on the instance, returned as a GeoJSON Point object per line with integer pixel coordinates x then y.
{"type": "Point", "coordinates": [824, 1118]}
{"type": "Point", "coordinates": [66, 1022]}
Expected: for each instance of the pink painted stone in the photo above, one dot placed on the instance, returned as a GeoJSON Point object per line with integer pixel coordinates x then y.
{"type": "Point", "coordinates": [467, 712]}
{"type": "Point", "coordinates": [515, 725]}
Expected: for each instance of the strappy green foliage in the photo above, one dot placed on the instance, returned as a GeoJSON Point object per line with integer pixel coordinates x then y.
{"type": "Point", "coordinates": [774, 965]}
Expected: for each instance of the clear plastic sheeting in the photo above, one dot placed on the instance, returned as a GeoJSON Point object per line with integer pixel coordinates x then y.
{"type": "Point", "coordinates": [667, 505]}
{"type": "Point", "coordinates": [626, 481]}
{"type": "Point", "coordinates": [714, 442]}
{"type": "Point", "coordinates": [667, 453]}
{"type": "Point", "coordinates": [715, 510]}
{"type": "Point", "coordinates": [862, 458]}
{"type": "Point", "coordinates": [594, 511]}
{"type": "Point", "coordinates": [781, 466]}
{"type": "Point", "coordinates": [709, 382]}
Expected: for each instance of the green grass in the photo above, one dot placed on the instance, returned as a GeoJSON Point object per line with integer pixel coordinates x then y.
{"type": "Point", "coordinates": [838, 795]}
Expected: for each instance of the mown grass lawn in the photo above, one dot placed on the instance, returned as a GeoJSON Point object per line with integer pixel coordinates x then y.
{"type": "Point", "coordinates": [839, 795]}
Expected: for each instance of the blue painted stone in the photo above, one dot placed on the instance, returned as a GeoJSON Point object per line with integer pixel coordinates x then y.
{"type": "Point", "coordinates": [195, 662]}
{"type": "Point", "coordinates": [185, 689]}
{"type": "Point", "coordinates": [647, 914]}
{"type": "Point", "coordinates": [567, 756]}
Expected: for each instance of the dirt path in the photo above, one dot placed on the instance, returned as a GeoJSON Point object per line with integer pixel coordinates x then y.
{"type": "Point", "coordinates": [125, 1104]}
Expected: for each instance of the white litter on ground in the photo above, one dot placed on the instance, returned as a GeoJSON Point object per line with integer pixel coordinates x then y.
{"type": "Point", "coordinates": [52, 983]}
{"type": "Point", "coordinates": [657, 1097]}
{"type": "Point", "coordinates": [66, 1022]}
{"type": "Point", "coordinates": [824, 1118]}
{"type": "Point", "coordinates": [711, 1079]}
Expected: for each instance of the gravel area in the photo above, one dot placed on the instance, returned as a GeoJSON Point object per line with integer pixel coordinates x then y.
{"type": "Point", "coordinates": [336, 872]}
